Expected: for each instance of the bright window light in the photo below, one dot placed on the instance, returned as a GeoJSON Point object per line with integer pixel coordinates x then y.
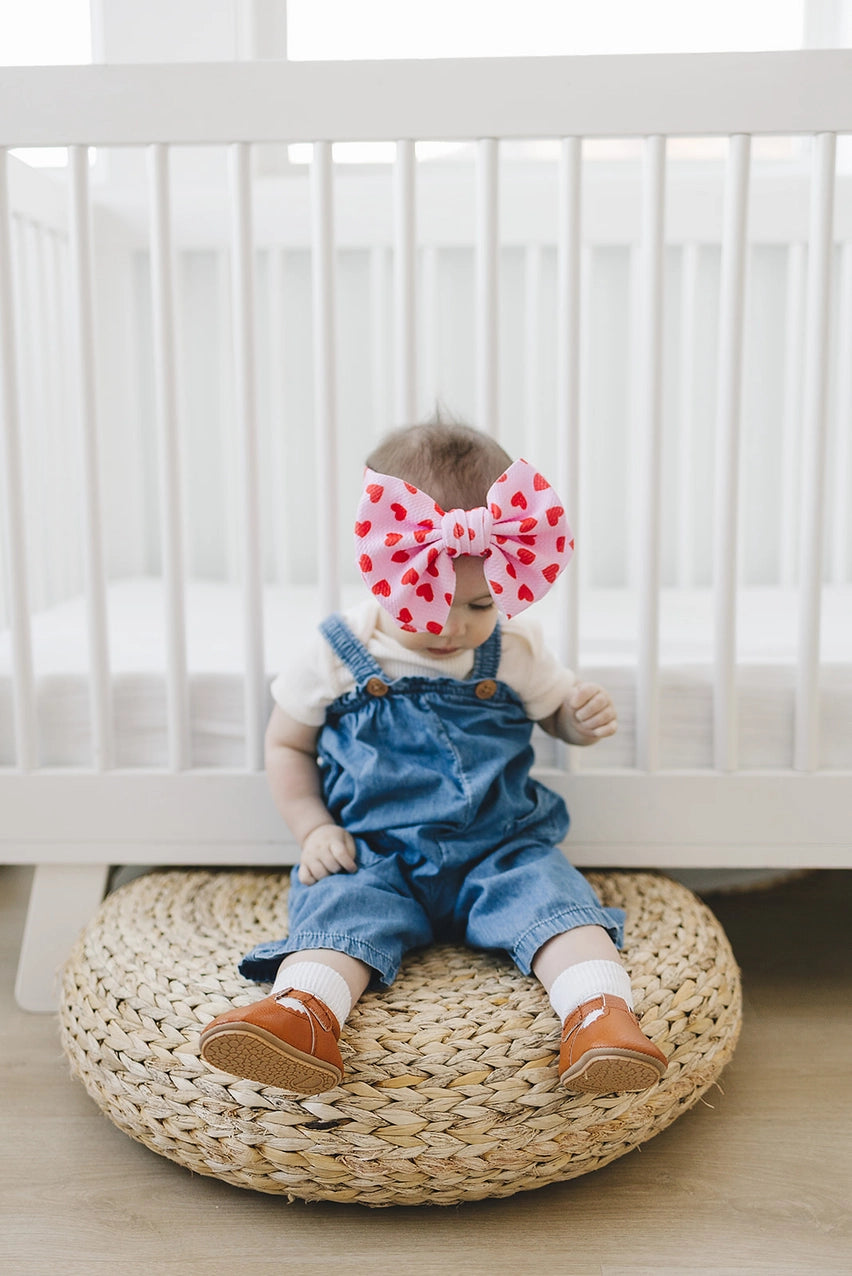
{"type": "Point", "coordinates": [353, 29]}
{"type": "Point", "coordinates": [45, 32]}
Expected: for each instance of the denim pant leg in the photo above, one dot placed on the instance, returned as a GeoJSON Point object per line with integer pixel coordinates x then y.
{"type": "Point", "coordinates": [370, 915]}
{"type": "Point", "coordinates": [520, 896]}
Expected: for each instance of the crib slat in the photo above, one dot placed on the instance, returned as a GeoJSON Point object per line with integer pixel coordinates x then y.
{"type": "Point", "coordinates": [13, 499]}
{"type": "Point", "coordinates": [791, 423]}
{"type": "Point", "coordinates": [83, 345]}
{"type": "Point", "coordinates": [649, 430]}
{"type": "Point", "coordinates": [379, 324]}
{"type": "Point", "coordinates": [532, 349]}
{"type": "Point", "coordinates": [685, 548]}
{"type": "Point", "coordinates": [487, 286]}
{"type": "Point", "coordinates": [814, 436]}
{"type": "Point", "coordinates": [568, 319]}
{"type": "Point", "coordinates": [840, 564]}
{"type": "Point", "coordinates": [242, 293]}
{"type": "Point", "coordinates": [282, 549]}
{"type": "Point", "coordinates": [165, 378]}
{"type": "Point", "coordinates": [405, 288]}
{"type": "Point", "coordinates": [725, 533]}
{"type": "Point", "coordinates": [429, 310]}
{"type": "Point", "coordinates": [325, 374]}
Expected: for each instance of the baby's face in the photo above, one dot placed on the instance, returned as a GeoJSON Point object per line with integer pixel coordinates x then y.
{"type": "Point", "coordinates": [472, 619]}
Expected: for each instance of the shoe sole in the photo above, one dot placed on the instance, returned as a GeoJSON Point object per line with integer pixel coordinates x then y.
{"type": "Point", "coordinates": [244, 1050]}
{"type": "Point", "coordinates": [609, 1071]}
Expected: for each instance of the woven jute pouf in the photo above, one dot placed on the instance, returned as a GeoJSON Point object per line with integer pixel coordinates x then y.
{"type": "Point", "coordinates": [451, 1090]}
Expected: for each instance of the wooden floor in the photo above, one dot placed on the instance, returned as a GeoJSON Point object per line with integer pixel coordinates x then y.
{"type": "Point", "coordinates": [761, 1181]}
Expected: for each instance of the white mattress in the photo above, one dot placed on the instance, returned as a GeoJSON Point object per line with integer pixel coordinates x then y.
{"type": "Point", "coordinates": [767, 639]}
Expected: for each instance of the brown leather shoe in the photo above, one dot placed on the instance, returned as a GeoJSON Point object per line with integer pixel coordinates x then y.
{"type": "Point", "coordinates": [276, 1045]}
{"type": "Point", "coordinates": [604, 1049]}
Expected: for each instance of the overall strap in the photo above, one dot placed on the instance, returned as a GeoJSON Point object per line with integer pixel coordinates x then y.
{"type": "Point", "coordinates": [347, 648]}
{"type": "Point", "coordinates": [487, 658]}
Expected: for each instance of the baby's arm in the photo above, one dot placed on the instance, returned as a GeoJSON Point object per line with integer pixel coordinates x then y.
{"type": "Point", "coordinates": [585, 716]}
{"type": "Point", "coordinates": [294, 778]}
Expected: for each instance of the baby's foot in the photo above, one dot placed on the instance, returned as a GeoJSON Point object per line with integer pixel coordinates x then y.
{"type": "Point", "coordinates": [276, 1045]}
{"type": "Point", "coordinates": [605, 1050]}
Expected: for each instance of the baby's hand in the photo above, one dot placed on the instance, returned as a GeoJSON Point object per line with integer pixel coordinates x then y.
{"type": "Point", "coordinates": [327, 849]}
{"type": "Point", "coordinates": [590, 712]}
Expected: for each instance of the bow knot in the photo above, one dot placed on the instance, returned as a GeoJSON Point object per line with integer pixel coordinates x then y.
{"type": "Point", "coordinates": [467, 531]}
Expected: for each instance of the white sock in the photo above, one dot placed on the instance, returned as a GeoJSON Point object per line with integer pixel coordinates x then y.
{"type": "Point", "coordinates": [319, 980]}
{"type": "Point", "coordinates": [589, 979]}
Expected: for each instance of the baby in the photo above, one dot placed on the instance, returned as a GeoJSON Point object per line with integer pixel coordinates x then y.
{"type": "Point", "coordinates": [399, 755]}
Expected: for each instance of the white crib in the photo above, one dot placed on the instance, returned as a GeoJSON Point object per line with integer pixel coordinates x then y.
{"type": "Point", "coordinates": [201, 336]}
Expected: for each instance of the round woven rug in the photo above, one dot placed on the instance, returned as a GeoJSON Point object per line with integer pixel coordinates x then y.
{"type": "Point", "coordinates": [451, 1090]}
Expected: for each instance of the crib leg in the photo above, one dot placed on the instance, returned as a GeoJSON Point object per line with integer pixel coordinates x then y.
{"type": "Point", "coordinates": [63, 898]}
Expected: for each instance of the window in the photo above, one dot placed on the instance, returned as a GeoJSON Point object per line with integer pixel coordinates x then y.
{"type": "Point", "coordinates": [350, 29]}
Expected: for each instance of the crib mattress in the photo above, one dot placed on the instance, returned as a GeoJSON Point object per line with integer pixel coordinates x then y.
{"type": "Point", "coordinates": [766, 673]}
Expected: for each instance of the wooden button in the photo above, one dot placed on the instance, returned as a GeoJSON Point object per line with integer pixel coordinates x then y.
{"type": "Point", "coordinates": [376, 687]}
{"type": "Point", "coordinates": [485, 689]}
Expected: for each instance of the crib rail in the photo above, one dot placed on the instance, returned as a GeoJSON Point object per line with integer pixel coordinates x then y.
{"type": "Point", "coordinates": [608, 96]}
{"type": "Point", "coordinates": [164, 107]}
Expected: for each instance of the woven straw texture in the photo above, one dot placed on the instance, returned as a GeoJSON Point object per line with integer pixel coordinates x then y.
{"type": "Point", "coordinates": [451, 1090]}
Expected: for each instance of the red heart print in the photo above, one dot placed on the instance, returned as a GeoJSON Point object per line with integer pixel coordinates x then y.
{"type": "Point", "coordinates": [400, 512]}
{"type": "Point", "coordinates": [495, 587]}
{"type": "Point", "coordinates": [412, 490]}
{"type": "Point", "coordinates": [420, 536]}
{"type": "Point", "coordinates": [526, 556]}
{"type": "Point", "coordinates": [448, 598]}
{"type": "Point", "coordinates": [540, 482]}
{"type": "Point", "coordinates": [528, 524]}
{"type": "Point", "coordinates": [375, 492]}
{"type": "Point", "coordinates": [361, 529]}
{"type": "Point", "coordinates": [550, 572]}
{"type": "Point", "coordinates": [458, 530]}
{"type": "Point", "coordinates": [501, 540]}
{"type": "Point", "coordinates": [571, 542]}
{"type": "Point", "coordinates": [560, 544]}
{"type": "Point", "coordinates": [365, 562]}
{"type": "Point", "coordinates": [410, 577]}
{"type": "Point", "coordinates": [425, 591]}
{"type": "Point", "coordinates": [405, 616]}
{"type": "Point", "coordinates": [393, 538]}
{"type": "Point", "coordinates": [525, 594]}
{"type": "Point", "coordinates": [434, 627]}
{"type": "Point", "coordinates": [496, 511]}
{"type": "Point", "coordinates": [511, 570]}
{"type": "Point", "coordinates": [382, 589]}
{"type": "Point", "coordinates": [519, 500]}
{"type": "Point", "coordinates": [409, 629]}
{"type": "Point", "coordinates": [401, 556]}
{"type": "Point", "coordinates": [502, 478]}
{"type": "Point", "coordinates": [554, 514]}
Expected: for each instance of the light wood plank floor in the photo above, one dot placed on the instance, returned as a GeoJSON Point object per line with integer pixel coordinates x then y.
{"type": "Point", "coordinates": [760, 1181]}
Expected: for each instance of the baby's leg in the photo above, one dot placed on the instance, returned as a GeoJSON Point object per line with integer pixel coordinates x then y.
{"type": "Point", "coordinates": [336, 978]}
{"type": "Point", "coordinates": [603, 1047]}
{"type": "Point", "coordinates": [583, 943]}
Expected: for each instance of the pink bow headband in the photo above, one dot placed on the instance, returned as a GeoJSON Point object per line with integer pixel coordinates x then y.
{"type": "Point", "coordinates": [406, 543]}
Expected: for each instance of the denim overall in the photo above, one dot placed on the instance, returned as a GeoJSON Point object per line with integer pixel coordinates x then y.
{"type": "Point", "coordinates": [455, 840]}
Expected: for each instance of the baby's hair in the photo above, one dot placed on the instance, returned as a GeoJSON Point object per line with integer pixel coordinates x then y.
{"type": "Point", "coordinates": [450, 461]}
